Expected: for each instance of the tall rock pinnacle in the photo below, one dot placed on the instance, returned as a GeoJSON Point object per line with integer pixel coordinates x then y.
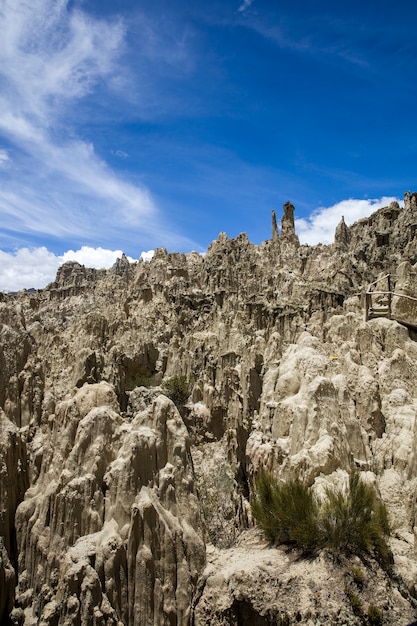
{"type": "Point", "coordinates": [275, 235]}
{"type": "Point", "coordinates": [341, 235]}
{"type": "Point", "coordinates": [287, 225]}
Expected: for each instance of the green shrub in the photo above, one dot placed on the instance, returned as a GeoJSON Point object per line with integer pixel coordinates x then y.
{"type": "Point", "coordinates": [355, 602]}
{"type": "Point", "coordinates": [178, 389]}
{"type": "Point", "coordinates": [287, 512]}
{"type": "Point", "coordinates": [138, 379]}
{"type": "Point", "coordinates": [348, 523]}
{"type": "Point", "coordinates": [355, 522]}
{"type": "Point", "coordinates": [357, 576]}
{"type": "Point", "coordinates": [375, 616]}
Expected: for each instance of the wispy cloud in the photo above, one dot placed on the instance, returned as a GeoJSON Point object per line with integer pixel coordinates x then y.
{"type": "Point", "coordinates": [318, 36]}
{"type": "Point", "coordinates": [4, 157]}
{"type": "Point", "coordinates": [245, 5]}
{"type": "Point", "coordinates": [51, 58]}
{"type": "Point", "coordinates": [320, 226]}
{"type": "Point", "coordinates": [51, 54]}
{"type": "Point", "coordinates": [120, 153]}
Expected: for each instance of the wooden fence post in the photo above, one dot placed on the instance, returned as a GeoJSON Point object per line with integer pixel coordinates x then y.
{"type": "Point", "coordinates": [389, 296]}
{"type": "Point", "coordinates": [367, 305]}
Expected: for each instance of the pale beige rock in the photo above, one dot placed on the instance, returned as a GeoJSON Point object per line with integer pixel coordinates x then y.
{"type": "Point", "coordinates": [283, 373]}
{"type": "Point", "coordinates": [254, 583]}
{"type": "Point", "coordinates": [83, 527]}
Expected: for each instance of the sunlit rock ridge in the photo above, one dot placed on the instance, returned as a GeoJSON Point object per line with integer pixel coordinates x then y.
{"type": "Point", "coordinates": [137, 405]}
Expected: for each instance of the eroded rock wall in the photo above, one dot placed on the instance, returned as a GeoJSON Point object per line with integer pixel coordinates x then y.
{"type": "Point", "coordinates": [100, 516]}
{"type": "Point", "coordinates": [112, 515]}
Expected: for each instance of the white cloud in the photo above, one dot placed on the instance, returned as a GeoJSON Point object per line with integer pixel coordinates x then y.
{"type": "Point", "coordinates": [320, 226]}
{"type": "Point", "coordinates": [51, 57]}
{"type": "Point", "coordinates": [147, 256]}
{"type": "Point", "coordinates": [4, 157]}
{"type": "Point", "coordinates": [245, 5]}
{"type": "Point", "coordinates": [93, 257]}
{"type": "Point", "coordinates": [37, 267]}
{"type": "Point", "coordinates": [120, 153]}
{"type": "Point", "coordinates": [51, 54]}
{"type": "Point", "coordinates": [27, 268]}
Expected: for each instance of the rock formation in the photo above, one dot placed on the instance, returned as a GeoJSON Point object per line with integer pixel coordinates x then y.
{"type": "Point", "coordinates": [275, 234]}
{"type": "Point", "coordinates": [341, 235]}
{"type": "Point", "coordinates": [138, 403]}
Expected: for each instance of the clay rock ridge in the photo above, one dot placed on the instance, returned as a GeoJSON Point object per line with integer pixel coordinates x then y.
{"type": "Point", "coordinates": [102, 516]}
{"type": "Point", "coordinates": [111, 516]}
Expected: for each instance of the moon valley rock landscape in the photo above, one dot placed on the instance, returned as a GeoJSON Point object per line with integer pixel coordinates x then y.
{"type": "Point", "coordinates": [140, 405]}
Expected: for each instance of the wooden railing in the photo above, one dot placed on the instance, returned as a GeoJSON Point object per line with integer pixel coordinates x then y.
{"type": "Point", "coordinates": [383, 307]}
{"type": "Point", "coordinates": [370, 310]}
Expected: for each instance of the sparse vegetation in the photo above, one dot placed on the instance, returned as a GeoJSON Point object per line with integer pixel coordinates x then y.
{"type": "Point", "coordinates": [357, 576]}
{"type": "Point", "coordinates": [355, 522]}
{"type": "Point", "coordinates": [282, 619]}
{"type": "Point", "coordinates": [355, 603]}
{"type": "Point", "coordinates": [287, 512]}
{"type": "Point", "coordinates": [375, 616]}
{"type": "Point", "coordinates": [139, 379]}
{"type": "Point", "coordinates": [351, 522]}
{"type": "Point", "coordinates": [178, 388]}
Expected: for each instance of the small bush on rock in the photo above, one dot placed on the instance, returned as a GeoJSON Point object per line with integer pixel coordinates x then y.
{"type": "Point", "coordinates": [355, 603]}
{"type": "Point", "coordinates": [351, 522]}
{"type": "Point", "coordinates": [287, 512]}
{"type": "Point", "coordinates": [375, 616]}
{"type": "Point", "coordinates": [178, 389]}
{"type": "Point", "coordinates": [355, 522]}
{"type": "Point", "coordinates": [357, 576]}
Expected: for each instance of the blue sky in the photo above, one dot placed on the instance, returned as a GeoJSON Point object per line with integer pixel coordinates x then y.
{"type": "Point", "coordinates": [130, 125]}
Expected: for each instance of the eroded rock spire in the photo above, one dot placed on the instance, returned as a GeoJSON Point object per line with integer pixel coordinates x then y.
{"type": "Point", "coordinates": [287, 225]}
{"type": "Point", "coordinates": [275, 235]}
{"type": "Point", "coordinates": [341, 235]}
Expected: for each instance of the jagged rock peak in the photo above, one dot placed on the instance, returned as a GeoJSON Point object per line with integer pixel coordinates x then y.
{"type": "Point", "coordinates": [121, 266]}
{"type": "Point", "coordinates": [68, 271]}
{"type": "Point", "coordinates": [73, 273]}
{"type": "Point", "coordinates": [72, 278]}
{"type": "Point", "coordinates": [410, 200]}
{"type": "Point", "coordinates": [341, 235]}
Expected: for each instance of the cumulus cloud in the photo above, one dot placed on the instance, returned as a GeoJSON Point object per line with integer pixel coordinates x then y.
{"type": "Point", "coordinates": [27, 268]}
{"type": "Point", "coordinates": [93, 257]}
{"type": "Point", "coordinates": [35, 268]}
{"type": "Point", "coordinates": [147, 256]}
{"type": "Point", "coordinates": [51, 58]}
{"type": "Point", "coordinates": [319, 227]}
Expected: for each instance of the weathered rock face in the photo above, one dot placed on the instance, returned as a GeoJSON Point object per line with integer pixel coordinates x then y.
{"type": "Point", "coordinates": [266, 353]}
{"type": "Point", "coordinates": [13, 484]}
{"type": "Point", "coordinates": [110, 497]}
{"type": "Point", "coordinates": [254, 584]}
